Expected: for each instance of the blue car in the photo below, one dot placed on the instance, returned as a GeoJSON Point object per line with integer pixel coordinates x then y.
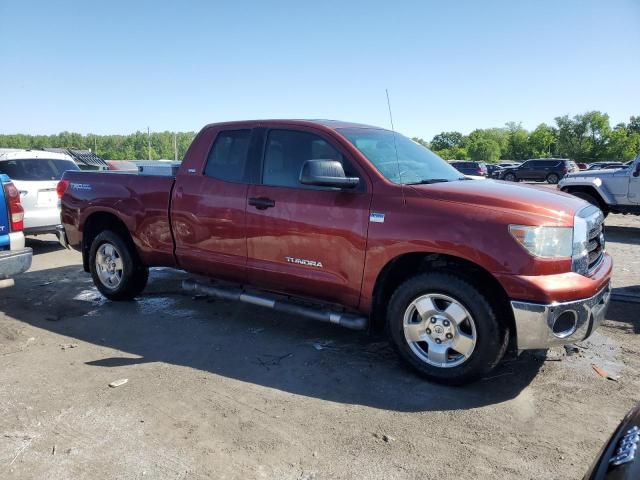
{"type": "Point", "coordinates": [14, 257]}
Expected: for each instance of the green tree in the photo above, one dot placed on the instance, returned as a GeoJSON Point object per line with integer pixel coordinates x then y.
{"type": "Point", "coordinates": [517, 142]}
{"type": "Point", "coordinates": [484, 149]}
{"type": "Point", "coordinates": [541, 140]}
{"type": "Point", "coordinates": [447, 140]}
{"type": "Point", "coordinates": [623, 144]}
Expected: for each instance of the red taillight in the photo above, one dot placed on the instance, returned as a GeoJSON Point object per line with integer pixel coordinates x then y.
{"type": "Point", "coordinates": [62, 187]}
{"type": "Point", "coordinates": [16, 212]}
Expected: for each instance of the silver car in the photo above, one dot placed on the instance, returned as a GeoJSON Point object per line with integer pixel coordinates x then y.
{"type": "Point", "coordinates": [36, 174]}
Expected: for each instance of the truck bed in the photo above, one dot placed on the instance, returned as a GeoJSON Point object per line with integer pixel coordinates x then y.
{"type": "Point", "coordinates": [136, 199]}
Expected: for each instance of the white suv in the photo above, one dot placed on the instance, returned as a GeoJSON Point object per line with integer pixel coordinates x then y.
{"type": "Point", "coordinates": [36, 174]}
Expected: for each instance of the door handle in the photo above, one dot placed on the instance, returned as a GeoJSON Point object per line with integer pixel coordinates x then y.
{"type": "Point", "coordinates": [262, 203]}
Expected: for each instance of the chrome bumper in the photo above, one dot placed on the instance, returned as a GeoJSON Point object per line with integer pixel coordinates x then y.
{"type": "Point", "coordinates": [13, 262]}
{"type": "Point", "coordinates": [535, 322]}
{"type": "Point", "coordinates": [62, 236]}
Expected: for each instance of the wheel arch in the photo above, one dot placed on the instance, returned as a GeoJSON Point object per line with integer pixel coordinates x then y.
{"type": "Point", "coordinates": [98, 222]}
{"type": "Point", "coordinates": [589, 189]}
{"type": "Point", "coordinates": [407, 265]}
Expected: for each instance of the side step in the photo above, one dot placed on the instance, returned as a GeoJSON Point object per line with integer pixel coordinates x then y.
{"type": "Point", "coordinates": [347, 320]}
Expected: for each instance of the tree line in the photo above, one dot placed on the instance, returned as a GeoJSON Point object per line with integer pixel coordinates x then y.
{"type": "Point", "coordinates": [587, 137]}
{"type": "Point", "coordinates": [110, 147]}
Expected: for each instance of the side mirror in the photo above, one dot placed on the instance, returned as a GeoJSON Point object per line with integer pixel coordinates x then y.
{"type": "Point", "coordinates": [326, 173]}
{"type": "Point", "coordinates": [636, 172]}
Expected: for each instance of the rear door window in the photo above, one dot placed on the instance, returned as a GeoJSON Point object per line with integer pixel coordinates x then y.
{"type": "Point", "coordinates": [34, 169]}
{"type": "Point", "coordinates": [228, 157]}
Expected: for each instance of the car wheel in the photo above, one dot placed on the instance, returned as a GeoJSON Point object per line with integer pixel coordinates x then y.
{"type": "Point", "coordinates": [553, 178]}
{"type": "Point", "coordinates": [510, 177]}
{"type": "Point", "coordinates": [445, 329]}
{"type": "Point", "coordinates": [115, 268]}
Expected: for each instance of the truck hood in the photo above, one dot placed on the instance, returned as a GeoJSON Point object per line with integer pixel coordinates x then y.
{"type": "Point", "coordinates": [499, 195]}
{"type": "Point", "coordinates": [605, 172]}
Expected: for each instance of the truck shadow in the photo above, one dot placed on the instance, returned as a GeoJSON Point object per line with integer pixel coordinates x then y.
{"type": "Point", "coordinates": [245, 343]}
{"type": "Point", "coordinates": [43, 244]}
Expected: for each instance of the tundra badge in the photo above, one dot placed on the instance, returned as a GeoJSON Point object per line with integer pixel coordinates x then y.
{"type": "Point", "coordinates": [376, 217]}
{"type": "Point", "coordinates": [303, 261]}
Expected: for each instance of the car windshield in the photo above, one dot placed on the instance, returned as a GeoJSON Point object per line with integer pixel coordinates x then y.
{"type": "Point", "coordinates": [36, 168]}
{"type": "Point", "coordinates": [412, 164]}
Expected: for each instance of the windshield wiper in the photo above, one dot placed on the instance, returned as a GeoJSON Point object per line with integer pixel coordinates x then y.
{"type": "Point", "coordinates": [428, 181]}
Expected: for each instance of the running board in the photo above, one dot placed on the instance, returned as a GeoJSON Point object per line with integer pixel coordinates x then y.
{"type": "Point", "coordinates": [347, 320]}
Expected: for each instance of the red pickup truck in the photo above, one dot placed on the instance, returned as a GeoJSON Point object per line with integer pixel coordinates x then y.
{"type": "Point", "coordinates": [354, 225]}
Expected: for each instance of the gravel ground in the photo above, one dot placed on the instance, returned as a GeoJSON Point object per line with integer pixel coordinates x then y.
{"type": "Point", "coordinates": [220, 390]}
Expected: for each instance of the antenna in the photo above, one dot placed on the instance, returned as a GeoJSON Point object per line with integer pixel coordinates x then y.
{"type": "Point", "coordinates": [395, 146]}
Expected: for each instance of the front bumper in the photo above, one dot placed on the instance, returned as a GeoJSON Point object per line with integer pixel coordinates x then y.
{"type": "Point", "coordinates": [535, 322]}
{"type": "Point", "coordinates": [13, 262]}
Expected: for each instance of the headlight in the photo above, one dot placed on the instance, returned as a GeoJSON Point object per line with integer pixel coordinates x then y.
{"type": "Point", "coordinates": [548, 242]}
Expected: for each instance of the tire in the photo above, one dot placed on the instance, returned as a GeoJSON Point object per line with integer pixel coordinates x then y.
{"type": "Point", "coordinates": [591, 199]}
{"type": "Point", "coordinates": [553, 178]}
{"type": "Point", "coordinates": [510, 177]}
{"type": "Point", "coordinates": [472, 319]}
{"type": "Point", "coordinates": [115, 268]}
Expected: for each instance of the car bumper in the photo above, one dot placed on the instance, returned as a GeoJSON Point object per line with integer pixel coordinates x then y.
{"type": "Point", "coordinates": [544, 325]}
{"type": "Point", "coordinates": [42, 229]}
{"type": "Point", "coordinates": [13, 262]}
{"type": "Point", "coordinates": [62, 236]}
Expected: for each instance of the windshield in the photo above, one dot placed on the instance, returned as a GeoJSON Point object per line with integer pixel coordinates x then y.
{"type": "Point", "coordinates": [36, 168]}
{"type": "Point", "coordinates": [413, 164]}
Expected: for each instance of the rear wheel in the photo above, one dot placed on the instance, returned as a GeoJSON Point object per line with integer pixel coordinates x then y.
{"type": "Point", "coordinates": [553, 178]}
{"type": "Point", "coordinates": [510, 177]}
{"type": "Point", "coordinates": [445, 329]}
{"type": "Point", "coordinates": [115, 268]}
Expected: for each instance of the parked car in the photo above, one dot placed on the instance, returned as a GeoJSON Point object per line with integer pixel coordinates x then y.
{"type": "Point", "coordinates": [619, 459]}
{"type": "Point", "coordinates": [14, 257]}
{"type": "Point", "coordinates": [549, 170]}
{"type": "Point", "coordinates": [492, 168]}
{"type": "Point", "coordinates": [612, 190]}
{"type": "Point", "coordinates": [605, 165]}
{"type": "Point", "coordinates": [508, 164]}
{"type": "Point", "coordinates": [36, 174]}
{"type": "Point", "coordinates": [470, 168]}
{"type": "Point", "coordinates": [356, 226]}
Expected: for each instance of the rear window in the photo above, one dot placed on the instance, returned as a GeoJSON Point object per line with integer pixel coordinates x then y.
{"type": "Point", "coordinates": [36, 168]}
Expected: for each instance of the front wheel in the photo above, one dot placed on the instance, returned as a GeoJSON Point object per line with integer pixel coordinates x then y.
{"type": "Point", "coordinates": [115, 268]}
{"type": "Point", "coordinates": [510, 177]}
{"type": "Point", "coordinates": [445, 329]}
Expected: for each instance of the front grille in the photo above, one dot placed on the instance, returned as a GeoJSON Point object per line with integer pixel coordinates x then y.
{"type": "Point", "coordinates": [595, 245]}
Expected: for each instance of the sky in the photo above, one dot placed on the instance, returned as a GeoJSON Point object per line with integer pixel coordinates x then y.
{"type": "Point", "coordinates": [119, 66]}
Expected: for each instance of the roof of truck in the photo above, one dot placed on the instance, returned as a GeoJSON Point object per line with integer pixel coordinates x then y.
{"type": "Point", "coordinates": [330, 124]}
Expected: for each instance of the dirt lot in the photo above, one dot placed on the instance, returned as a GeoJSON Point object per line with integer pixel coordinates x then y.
{"type": "Point", "coordinates": [220, 390]}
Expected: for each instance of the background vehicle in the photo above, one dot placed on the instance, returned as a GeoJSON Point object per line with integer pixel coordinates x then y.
{"type": "Point", "coordinates": [612, 190]}
{"type": "Point", "coordinates": [492, 168]}
{"type": "Point", "coordinates": [605, 165]}
{"type": "Point", "coordinates": [342, 216]}
{"type": "Point", "coordinates": [549, 170]}
{"type": "Point", "coordinates": [36, 174]}
{"type": "Point", "coordinates": [470, 168]}
{"type": "Point", "coordinates": [582, 166]}
{"type": "Point", "coordinates": [14, 257]}
{"type": "Point", "coordinates": [619, 459]}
